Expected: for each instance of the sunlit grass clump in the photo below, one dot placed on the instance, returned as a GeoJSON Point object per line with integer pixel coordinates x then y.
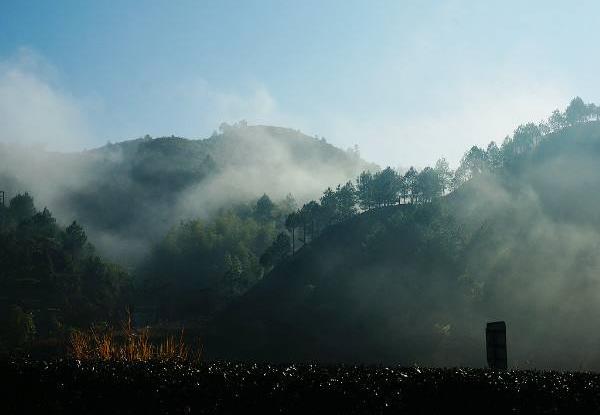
{"type": "Point", "coordinates": [129, 345]}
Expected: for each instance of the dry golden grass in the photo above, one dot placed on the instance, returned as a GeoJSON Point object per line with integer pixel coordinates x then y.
{"type": "Point", "coordinates": [80, 343]}
{"type": "Point", "coordinates": [131, 345]}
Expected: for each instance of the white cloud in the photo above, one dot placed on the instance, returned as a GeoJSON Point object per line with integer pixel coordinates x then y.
{"type": "Point", "coordinates": [35, 111]}
{"type": "Point", "coordinates": [471, 108]}
{"type": "Point", "coordinates": [195, 108]}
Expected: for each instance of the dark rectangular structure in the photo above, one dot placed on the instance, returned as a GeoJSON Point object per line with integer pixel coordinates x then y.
{"type": "Point", "coordinates": [495, 337]}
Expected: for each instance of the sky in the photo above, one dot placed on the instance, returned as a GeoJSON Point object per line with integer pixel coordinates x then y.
{"type": "Point", "coordinates": [406, 81]}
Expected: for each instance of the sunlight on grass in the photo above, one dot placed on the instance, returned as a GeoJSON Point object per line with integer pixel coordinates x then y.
{"type": "Point", "coordinates": [129, 345]}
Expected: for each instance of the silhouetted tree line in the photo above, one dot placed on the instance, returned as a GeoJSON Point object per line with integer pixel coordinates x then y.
{"type": "Point", "coordinates": [389, 187]}
{"type": "Point", "coordinates": [523, 141]}
{"type": "Point", "coordinates": [370, 191]}
{"type": "Point", "coordinates": [50, 277]}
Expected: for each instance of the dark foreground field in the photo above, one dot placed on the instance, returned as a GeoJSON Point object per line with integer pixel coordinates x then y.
{"type": "Point", "coordinates": [104, 388]}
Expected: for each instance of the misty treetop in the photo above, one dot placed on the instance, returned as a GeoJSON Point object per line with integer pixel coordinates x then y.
{"type": "Point", "coordinates": [524, 140]}
{"type": "Point", "coordinates": [201, 265]}
{"type": "Point", "coordinates": [116, 190]}
{"type": "Point", "coordinates": [389, 187]}
{"type": "Point", "coordinates": [413, 276]}
{"type": "Point", "coordinates": [372, 190]}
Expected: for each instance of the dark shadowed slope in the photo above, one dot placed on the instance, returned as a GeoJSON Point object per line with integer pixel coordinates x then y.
{"type": "Point", "coordinates": [417, 283]}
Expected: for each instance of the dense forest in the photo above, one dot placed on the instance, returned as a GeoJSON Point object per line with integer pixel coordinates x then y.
{"type": "Point", "coordinates": [117, 190]}
{"type": "Point", "coordinates": [51, 279]}
{"type": "Point", "coordinates": [387, 265]}
{"type": "Point", "coordinates": [201, 265]}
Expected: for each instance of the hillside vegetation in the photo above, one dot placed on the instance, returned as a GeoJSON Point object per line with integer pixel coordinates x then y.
{"type": "Point", "coordinates": [51, 279]}
{"type": "Point", "coordinates": [517, 240]}
{"type": "Point", "coordinates": [129, 194]}
{"type": "Point", "coordinates": [392, 266]}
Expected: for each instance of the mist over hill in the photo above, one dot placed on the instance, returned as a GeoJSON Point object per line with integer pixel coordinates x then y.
{"type": "Point", "coordinates": [407, 283]}
{"type": "Point", "coordinates": [128, 194]}
{"type": "Point", "coordinates": [387, 266]}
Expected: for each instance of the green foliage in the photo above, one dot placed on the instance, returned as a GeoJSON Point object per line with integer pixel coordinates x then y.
{"type": "Point", "coordinates": [345, 197]}
{"type": "Point", "coordinates": [577, 111]}
{"type": "Point", "coordinates": [292, 221]}
{"type": "Point", "coordinates": [201, 265]}
{"type": "Point", "coordinates": [21, 207]}
{"type": "Point", "coordinates": [557, 121]}
{"type": "Point", "coordinates": [365, 191]}
{"type": "Point", "coordinates": [264, 208]}
{"type": "Point", "coordinates": [329, 206]}
{"type": "Point", "coordinates": [49, 275]}
{"type": "Point", "coordinates": [474, 162]}
{"type": "Point", "coordinates": [493, 156]}
{"type": "Point", "coordinates": [429, 184]}
{"type": "Point", "coordinates": [386, 185]}
{"type": "Point", "coordinates": [408, 187]}
{"type": "Point", "coordinates": [445, 174]}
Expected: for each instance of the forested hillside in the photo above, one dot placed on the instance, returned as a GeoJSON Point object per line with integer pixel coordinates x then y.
{"type": "Point", "coordinates": [386, 266]}
{"type": "Point", "coordinates": [416, 279]}
{"type": "Point", "coordinates": [51, 279]}
{"type": "Point", "coordinates": [129, 194]}
{"type": "Point", "coordinates": [201, 265]}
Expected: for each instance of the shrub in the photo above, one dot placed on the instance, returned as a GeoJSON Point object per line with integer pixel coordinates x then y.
{"type": "Point", "coordinates": [18, 327]}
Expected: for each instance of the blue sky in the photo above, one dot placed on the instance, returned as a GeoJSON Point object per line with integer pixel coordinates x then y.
{"type": "Point", "coordinates": [408, 82]}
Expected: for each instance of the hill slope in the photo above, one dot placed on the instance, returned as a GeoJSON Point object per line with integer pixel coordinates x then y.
{"type": "Point", "coordinates": [129, 194]}
{"type": "Point", "coordinates": [418, 283]}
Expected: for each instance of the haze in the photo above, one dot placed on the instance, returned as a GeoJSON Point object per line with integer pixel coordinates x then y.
{"type": "Point", "coordinates": [301, 182]}
{"type": "Point", "coordinates": [392, 78]}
